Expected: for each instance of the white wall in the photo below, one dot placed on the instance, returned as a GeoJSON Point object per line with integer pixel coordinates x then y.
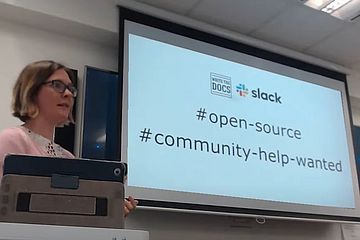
{"type": "Point", "coordinates": [354, 90]}
{"type": "Point", "coordinates": [21, 44]}
{"type": "Point", "coordinates": [354, 83]}
{"type": "Point", "coordinates": [96, 13]}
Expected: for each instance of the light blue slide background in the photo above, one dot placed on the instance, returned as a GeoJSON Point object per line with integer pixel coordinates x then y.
{"type": "Point", "coordinates": [167, 85]}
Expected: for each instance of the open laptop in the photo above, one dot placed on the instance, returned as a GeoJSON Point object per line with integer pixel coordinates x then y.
{"type": "Point", "coordinates": [62, 191]}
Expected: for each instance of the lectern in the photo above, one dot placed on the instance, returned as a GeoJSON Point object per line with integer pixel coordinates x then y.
{"type": "Point", "coordinates": [16, 231]}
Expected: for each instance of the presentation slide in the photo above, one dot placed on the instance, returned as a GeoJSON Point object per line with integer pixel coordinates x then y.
{"type": "Point", "coordinates": [198, 123]}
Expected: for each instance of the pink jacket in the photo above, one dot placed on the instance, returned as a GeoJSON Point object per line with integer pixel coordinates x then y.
{"type": "Point", "coordinates": [16, 140]}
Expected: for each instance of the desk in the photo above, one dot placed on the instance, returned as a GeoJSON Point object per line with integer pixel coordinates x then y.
{"type": "Point", "coordinates": [20, 231]}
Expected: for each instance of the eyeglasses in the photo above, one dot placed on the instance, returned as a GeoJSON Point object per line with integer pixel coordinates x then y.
{"type": "Point", "coordinates": [60, 87]}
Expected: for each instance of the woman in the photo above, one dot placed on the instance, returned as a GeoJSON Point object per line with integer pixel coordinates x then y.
{"type": "Point", "coordinates": [43, 98]}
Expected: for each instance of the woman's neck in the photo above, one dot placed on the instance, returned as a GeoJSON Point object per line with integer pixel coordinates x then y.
{"type": "Point", "coordinates": [41, 127]}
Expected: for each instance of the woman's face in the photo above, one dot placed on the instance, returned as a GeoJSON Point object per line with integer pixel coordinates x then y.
{"type": "Point", "coordinates": [54, 106]}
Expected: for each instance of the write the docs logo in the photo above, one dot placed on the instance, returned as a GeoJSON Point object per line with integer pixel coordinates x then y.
{"type": "Point", "coordinates": [220, 85]}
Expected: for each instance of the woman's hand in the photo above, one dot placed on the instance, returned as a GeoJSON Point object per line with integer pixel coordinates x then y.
{"type": "Point", "coordinates": [129, 205]}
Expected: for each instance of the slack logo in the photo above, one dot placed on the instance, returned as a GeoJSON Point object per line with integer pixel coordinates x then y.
{"type": "Point", "coordinates": [242, 90]}
{"type": "Point", "coordinates": [258, 93]}
{"type": "Point", "coordinates": [271, 97]}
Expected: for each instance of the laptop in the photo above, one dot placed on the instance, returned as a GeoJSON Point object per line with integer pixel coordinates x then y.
{"type": "Point", "coordinates": [62, 191]}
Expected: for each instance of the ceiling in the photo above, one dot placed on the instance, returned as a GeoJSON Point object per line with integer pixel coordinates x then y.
{"type": "Point", "coordinates": [287, 23]}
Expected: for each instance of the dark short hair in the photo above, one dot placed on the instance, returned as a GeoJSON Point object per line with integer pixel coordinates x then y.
{"type": "Point", "coordinates": [28, 85]}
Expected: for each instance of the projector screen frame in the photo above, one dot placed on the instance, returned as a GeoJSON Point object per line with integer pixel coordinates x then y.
{"type": "Point", "coordinates": [127, 14]}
